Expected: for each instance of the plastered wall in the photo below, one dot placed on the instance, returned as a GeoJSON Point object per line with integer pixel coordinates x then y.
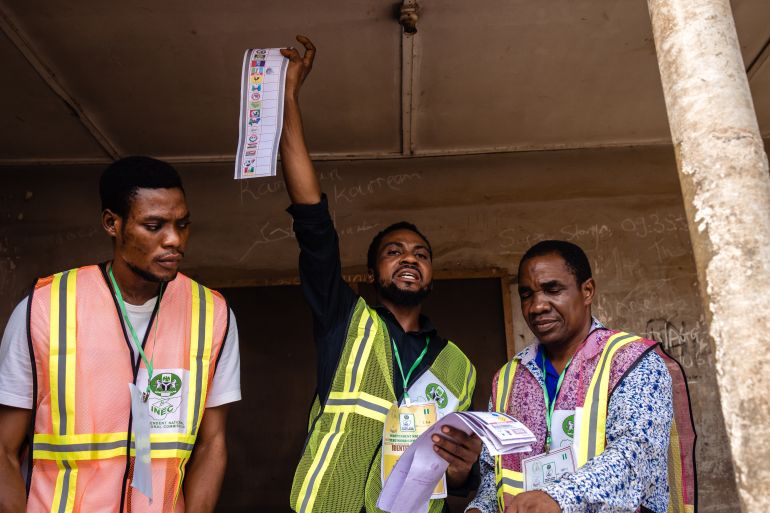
{"type": "Point", "coordinates": [623, 206]}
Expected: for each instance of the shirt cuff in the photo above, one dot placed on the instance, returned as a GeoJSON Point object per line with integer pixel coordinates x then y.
{"type": "Point", "coordinates": [310, 214]}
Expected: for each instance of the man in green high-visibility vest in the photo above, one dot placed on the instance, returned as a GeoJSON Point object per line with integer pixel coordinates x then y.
{"type": "Point", "coordinates": [369, 357]}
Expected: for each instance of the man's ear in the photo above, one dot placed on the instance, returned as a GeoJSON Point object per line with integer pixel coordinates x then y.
{"type": "Point", "coordinates": [588, 289]}
{"type": "Point", "coordinates": [111, 222]}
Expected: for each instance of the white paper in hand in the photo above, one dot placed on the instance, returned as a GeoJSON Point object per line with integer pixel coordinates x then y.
{"type": "Point", "coordinates": [410, 484]}
{"type": "Point", "coordinates": [262, 87]}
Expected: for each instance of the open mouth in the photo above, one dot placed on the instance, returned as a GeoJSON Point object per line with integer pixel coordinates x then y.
{"type": "Point", "coordinates": [408, 275]}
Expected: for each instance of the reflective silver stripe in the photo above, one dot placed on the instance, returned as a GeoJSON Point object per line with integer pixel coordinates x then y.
{"type": "Point", "coordinates": [106, 446]}
{"type": "Point", "coordinates": [62, 359]}
{"type": "Point", "coordinates": [358, 402]}
{"type": "Point", "coordinates": [504, 395]}
{"type": "Point", "coordinates": [507, 481]}
{"type": "Point", "coordinates": [594, 413]}
{"type": "Point", "coordinates": [199, 354]}
{"type": "Point", "coordinates": [160, 446]}
{"type": "Point", "coordinates": [360, 353]}
{"type": "Point", "coordinates": [101, 446]}
{"type": "Point", "coordinates": [320, 464]}
{"type": "Point", "coordinates": [65, 488]}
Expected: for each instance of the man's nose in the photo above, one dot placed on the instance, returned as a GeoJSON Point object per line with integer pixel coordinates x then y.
{"type": "Point", "coordinates": [408, 257]}
{"type": "Point", "coordinates": [172, 238]}
{"type": "Point", "coordinates": [540, 303]}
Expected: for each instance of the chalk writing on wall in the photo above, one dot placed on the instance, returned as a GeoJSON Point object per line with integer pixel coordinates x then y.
{"type": "Point", "coordinates": [254, 190]}
{"type": "Point", "coordinates": [271, 231]}
{"type": "Point", "coordinates": [394, 182]}
{"type": "Point", "coordinates": [689, 344]}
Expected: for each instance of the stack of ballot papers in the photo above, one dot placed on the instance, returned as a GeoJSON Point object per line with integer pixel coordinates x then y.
{"type": "Point", "coordinates": [410, 484]}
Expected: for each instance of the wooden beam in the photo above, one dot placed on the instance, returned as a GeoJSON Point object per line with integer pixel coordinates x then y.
{"type": "Point", "coordinates": [761, 57]}
{"type": "Point", "coordinates": [11, 29]}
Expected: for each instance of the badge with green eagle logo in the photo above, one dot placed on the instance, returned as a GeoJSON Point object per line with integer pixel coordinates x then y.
{"type": "Point", "coordinates": [165, 388]}
{"type": "Point", "coordinates": [435, 392]}
{"type": "Point", "coordinates": [568, 426]}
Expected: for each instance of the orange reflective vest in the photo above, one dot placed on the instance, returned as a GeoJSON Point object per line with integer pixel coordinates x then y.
{"type": "Point", "coordinates": [82, 451]}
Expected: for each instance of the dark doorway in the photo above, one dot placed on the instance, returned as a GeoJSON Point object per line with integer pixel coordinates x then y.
{"type": "Point", "coordinates": [268, 427]}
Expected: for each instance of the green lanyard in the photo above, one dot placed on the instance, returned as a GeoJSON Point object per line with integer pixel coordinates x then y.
{"type": "Point", "coordinates": [134, 337]}
{"type": "Point", "coordinates": [549, 404]}
{"type": "Point", "coordinates": [414, 365]}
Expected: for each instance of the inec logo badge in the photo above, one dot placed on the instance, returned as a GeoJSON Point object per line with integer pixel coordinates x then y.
{"type": "Point", "coordinates": [435, 392]}
{"type": "Point", "coordinates": [166, 397]}
{"type": "Point", "coordinates": [568, 426]}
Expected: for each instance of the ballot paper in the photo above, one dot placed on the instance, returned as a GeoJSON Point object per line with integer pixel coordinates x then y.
{"type": "Point", "coordinates": [262, 87]}
{"type": "Point", "coordinates": [410, 484]}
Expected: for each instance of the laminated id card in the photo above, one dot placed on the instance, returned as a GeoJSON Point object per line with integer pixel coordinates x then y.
{"type": "Point", "coordinates": [402, 427]}
{"type": "Point", "coordinates": [545, 468]}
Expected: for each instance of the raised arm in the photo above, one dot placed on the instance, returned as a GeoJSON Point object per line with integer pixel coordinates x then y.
{"type": "Point", "coordinates": [320, 271]}
{"type": "Point", "coordinates": [298, 172]}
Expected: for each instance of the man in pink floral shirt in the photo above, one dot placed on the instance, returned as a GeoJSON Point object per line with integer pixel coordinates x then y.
{"type": "Point", "coordinates": [549, 386]}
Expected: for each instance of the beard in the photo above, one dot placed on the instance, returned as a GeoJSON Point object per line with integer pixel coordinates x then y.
{"type": "Point", "coordinates": [402, 297]}
{"type": "Point", "coordinates": [147, 275]}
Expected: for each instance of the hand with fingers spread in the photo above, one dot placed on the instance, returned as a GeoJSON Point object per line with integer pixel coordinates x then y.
{"type": "Point", "coordinates": [460, 450]}
{"type": "Point", "coordinates": [533, 502]}
{"type": "Point", "coordinates": [299, 66]}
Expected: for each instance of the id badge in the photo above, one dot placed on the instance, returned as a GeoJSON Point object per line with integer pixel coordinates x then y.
{"type": "Point", "coordinates": [544, 469]}
{"type": "Point", "coordinates": [142, 480]}
{"type": "Point", "coordinates": [562, 428]}
{"type": "Point", "coordinates": [402, 427]}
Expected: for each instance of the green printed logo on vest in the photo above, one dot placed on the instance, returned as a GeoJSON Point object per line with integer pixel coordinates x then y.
{"type": "Point", "coordinates": [437, 393]}
{"type": "Point", "coordinates": [568, 426]}
{"type": "Point", "coordinates": [166, 384]}
{"type": "Point", "coordinates": [165, 401]}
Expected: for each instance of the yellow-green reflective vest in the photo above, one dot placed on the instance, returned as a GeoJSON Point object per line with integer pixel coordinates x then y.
{"type": "Point", "coordinates": [593, 426]}
{"type": "Point", "coordinates": [339, 471]}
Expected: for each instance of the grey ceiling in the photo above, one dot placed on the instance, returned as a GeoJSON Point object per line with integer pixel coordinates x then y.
{"type": "Point", "coordinates": [162, 78]}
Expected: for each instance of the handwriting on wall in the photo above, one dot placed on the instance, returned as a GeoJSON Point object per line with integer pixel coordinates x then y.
{"type": "Point", "coordinates": [394, 182]}
{"type": "Point", "coordinates": [256, 189]}
{"type": "Point", "coordinates": [273, 230]}
{"type": "Point", "coordinates": [688, 344]}
{"type": "Point", "coordinates": [270, 232]}
{"type": "Point", "coordinates": [641, 271]}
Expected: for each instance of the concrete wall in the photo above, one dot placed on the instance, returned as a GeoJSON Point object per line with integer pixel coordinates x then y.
{"type": "Point", "coordinates": [623, 206]}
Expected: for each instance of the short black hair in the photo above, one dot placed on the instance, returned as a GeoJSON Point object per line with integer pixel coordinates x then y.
{"type": "Point", "coordinates": [574, 257]}
{"type": "Point", "coordinates": [122, 178]}
{"type": "Point", "coordinates": [371, 255]}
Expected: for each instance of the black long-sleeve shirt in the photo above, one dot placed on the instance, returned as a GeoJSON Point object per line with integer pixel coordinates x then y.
{"type": "Point", "coordinates": [332, 301]}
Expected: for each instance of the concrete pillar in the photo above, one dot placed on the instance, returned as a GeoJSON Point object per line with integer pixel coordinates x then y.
{"type": "Point", "coordinates": [723, 171]}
